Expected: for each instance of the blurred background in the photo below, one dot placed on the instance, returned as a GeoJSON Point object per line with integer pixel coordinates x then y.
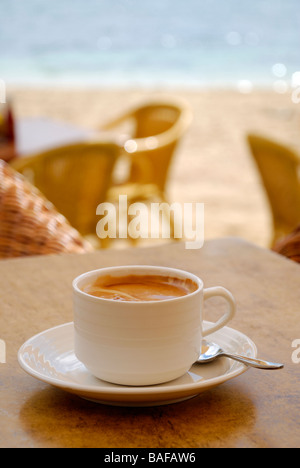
{"type": "Point", "coordinates": [169, 42]}
{"type": "Point", "coordinates": [236, 64]}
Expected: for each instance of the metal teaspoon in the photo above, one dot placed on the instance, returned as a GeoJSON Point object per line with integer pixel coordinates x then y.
{"type": "Point", "coordinates": [213, 351]}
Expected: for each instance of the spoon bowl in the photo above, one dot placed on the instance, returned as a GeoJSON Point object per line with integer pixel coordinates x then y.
{"type": "Point", "coordinates": [211, 351]}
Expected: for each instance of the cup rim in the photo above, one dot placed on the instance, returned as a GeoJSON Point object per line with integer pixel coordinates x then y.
{"type": "Point", "coordinates": [88, 274]}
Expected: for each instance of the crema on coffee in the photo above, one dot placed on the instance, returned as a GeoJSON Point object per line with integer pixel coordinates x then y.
{"type": "Point", "coordinates": [139, 288]}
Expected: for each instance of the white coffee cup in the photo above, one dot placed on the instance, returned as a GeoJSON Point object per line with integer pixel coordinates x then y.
{"type": "Point", "coordinates": [145, 342]}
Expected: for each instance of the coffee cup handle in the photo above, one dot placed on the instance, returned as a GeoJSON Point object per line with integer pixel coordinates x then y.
{"type": "Point", "coordinates": [229, 314]}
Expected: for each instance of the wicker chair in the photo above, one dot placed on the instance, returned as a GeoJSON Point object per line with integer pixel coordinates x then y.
{"type": "Point", "coordinates": [279, 170]}
{"type": "Point", "coordinates": [75, 178]}
{"type": "Point", "coordinates": [290, 246]}
{"type": "Point", "coordinates": [29, 224]}
{"type": "Point", "coordinates": [158, 127]}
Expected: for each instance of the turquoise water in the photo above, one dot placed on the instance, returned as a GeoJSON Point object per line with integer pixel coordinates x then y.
{"type": "Point", "coordinates": [141, 42]}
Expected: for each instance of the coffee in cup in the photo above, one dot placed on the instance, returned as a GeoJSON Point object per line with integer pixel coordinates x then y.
{"type": "Point", "coordinates": [155, 337]}
{"type": "Point", "coordinates": [139, 288]}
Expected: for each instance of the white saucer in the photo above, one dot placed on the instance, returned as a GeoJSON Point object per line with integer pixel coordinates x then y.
{"type": "Point", "coordinates": [49, 357]}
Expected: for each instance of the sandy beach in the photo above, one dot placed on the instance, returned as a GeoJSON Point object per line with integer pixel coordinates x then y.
{"type": "Point", "coordinates": [213, 164]}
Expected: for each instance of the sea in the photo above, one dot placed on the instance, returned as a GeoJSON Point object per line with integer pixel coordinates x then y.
{"type": "Point", "coordinates": [192, 43]}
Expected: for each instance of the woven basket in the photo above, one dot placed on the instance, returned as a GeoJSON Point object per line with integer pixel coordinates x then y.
{"type": "Point", "coordinates": [29, 224]}
{"type": "Point", "coordinates": [290, 246]}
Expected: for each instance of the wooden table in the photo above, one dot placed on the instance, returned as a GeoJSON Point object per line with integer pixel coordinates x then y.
{"type": "Point", "coordinates": [257, 409]}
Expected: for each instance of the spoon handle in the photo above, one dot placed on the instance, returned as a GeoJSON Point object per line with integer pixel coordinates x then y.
{"type": "Point", "coordinates": [259, 363]}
